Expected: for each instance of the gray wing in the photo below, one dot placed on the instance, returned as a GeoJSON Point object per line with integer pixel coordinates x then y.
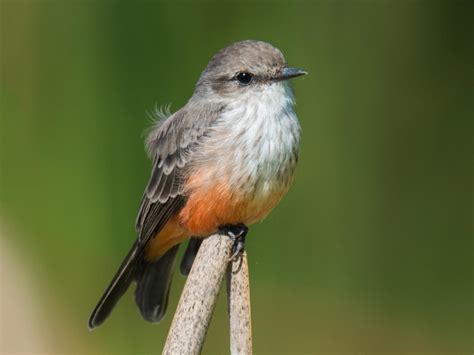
{"type": "Point", "coordinates": [171, 143]}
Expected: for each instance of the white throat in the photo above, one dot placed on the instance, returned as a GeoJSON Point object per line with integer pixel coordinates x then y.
{"type": "Point", "coordinates": [257, 139]}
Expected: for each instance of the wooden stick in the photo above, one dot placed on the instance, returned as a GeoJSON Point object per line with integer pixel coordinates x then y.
{"type": "Point", "coordinates": [238, 296]}
{"type": "Point", "coordinates": [195, 307]}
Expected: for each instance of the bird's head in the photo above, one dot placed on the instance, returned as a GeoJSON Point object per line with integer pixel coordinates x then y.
{"type": "Point", "coordinates": [244, 68]}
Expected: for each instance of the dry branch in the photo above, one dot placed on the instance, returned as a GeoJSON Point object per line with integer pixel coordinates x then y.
{"type": "Point", "coordinates": [238, 295]}
{"type": "Point", "coordinates": [194, 311]}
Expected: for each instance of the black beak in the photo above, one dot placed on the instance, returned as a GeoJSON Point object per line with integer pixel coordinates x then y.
{"type": "Point", "coordinates": [289, 73]}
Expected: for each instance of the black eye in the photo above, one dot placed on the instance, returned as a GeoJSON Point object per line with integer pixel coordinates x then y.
{"type": "Point", "coordinates": [244, 78]}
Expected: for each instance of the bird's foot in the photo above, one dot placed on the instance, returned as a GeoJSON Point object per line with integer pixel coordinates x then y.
{"type": "Point", "coordinates": [237, 233]}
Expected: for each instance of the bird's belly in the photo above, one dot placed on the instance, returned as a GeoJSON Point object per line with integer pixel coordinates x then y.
{"type": "Point", "coordinates": [210, 206]}
{"type": "Point", "coordinates": [242, 190]}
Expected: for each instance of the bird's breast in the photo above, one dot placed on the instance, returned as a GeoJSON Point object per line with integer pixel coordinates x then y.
{"type": "Point", "coordinates": [263, 143]}
{"type": "Point", "coordinates": [247, 163]}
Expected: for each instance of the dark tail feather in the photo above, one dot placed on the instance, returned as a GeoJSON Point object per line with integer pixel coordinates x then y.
{"type": "Point", "coordinates": [116, 289]}
{"type": "Point", "coordinates": [154, 280]}
{"type": "Point", "coordinates": [190, 255]}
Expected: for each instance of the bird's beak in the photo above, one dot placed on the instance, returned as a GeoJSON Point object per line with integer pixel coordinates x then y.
{"type": "Point", "coordinates": [288, 73]}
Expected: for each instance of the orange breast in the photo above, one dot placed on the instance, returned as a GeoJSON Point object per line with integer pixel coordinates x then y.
{"type": "Point", "coordinates": [171, 234]}
{"type": "Point", "coordinates": [211, 205]}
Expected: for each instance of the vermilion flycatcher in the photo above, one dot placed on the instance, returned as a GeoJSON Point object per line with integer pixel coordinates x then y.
{"type": "Point", "coordinates": [222, 162]}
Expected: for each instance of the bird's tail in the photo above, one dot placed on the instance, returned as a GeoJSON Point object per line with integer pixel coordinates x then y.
{"type": "Point", "coordinates": [153, 286]}
{"type": "Point", "coordinates": [189, 255]}
{"type": "Point", "coordinates": [119, 284]}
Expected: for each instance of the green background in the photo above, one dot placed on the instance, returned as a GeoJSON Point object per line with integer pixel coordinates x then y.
{"type": "Point", "coordinates": [370, 252]}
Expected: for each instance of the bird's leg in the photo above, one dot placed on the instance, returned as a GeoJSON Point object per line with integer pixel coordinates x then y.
{"type": "Point", "coordinates": [237, 233]}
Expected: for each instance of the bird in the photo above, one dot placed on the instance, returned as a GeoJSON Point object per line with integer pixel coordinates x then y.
{"type": "Point", "coordinates": [220, 163]}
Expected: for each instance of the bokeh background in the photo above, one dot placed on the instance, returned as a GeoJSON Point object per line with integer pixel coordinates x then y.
{"type": "Point", "coordinates": [371, 252]}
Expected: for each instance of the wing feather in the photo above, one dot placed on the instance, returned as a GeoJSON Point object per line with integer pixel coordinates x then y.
{"type": "Point", "coordinates": [171, 143]}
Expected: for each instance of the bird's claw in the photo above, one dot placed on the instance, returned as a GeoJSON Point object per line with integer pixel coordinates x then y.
{"type": "Point", "coordinates": [237, 233]}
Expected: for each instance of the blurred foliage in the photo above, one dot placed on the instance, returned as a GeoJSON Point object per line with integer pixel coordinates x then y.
{"type": "Point", "coordinates": [371, 251]}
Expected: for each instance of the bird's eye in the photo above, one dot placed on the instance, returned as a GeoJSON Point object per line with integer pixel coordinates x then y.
{"type": "Point", "coordinates": [244, 78]}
